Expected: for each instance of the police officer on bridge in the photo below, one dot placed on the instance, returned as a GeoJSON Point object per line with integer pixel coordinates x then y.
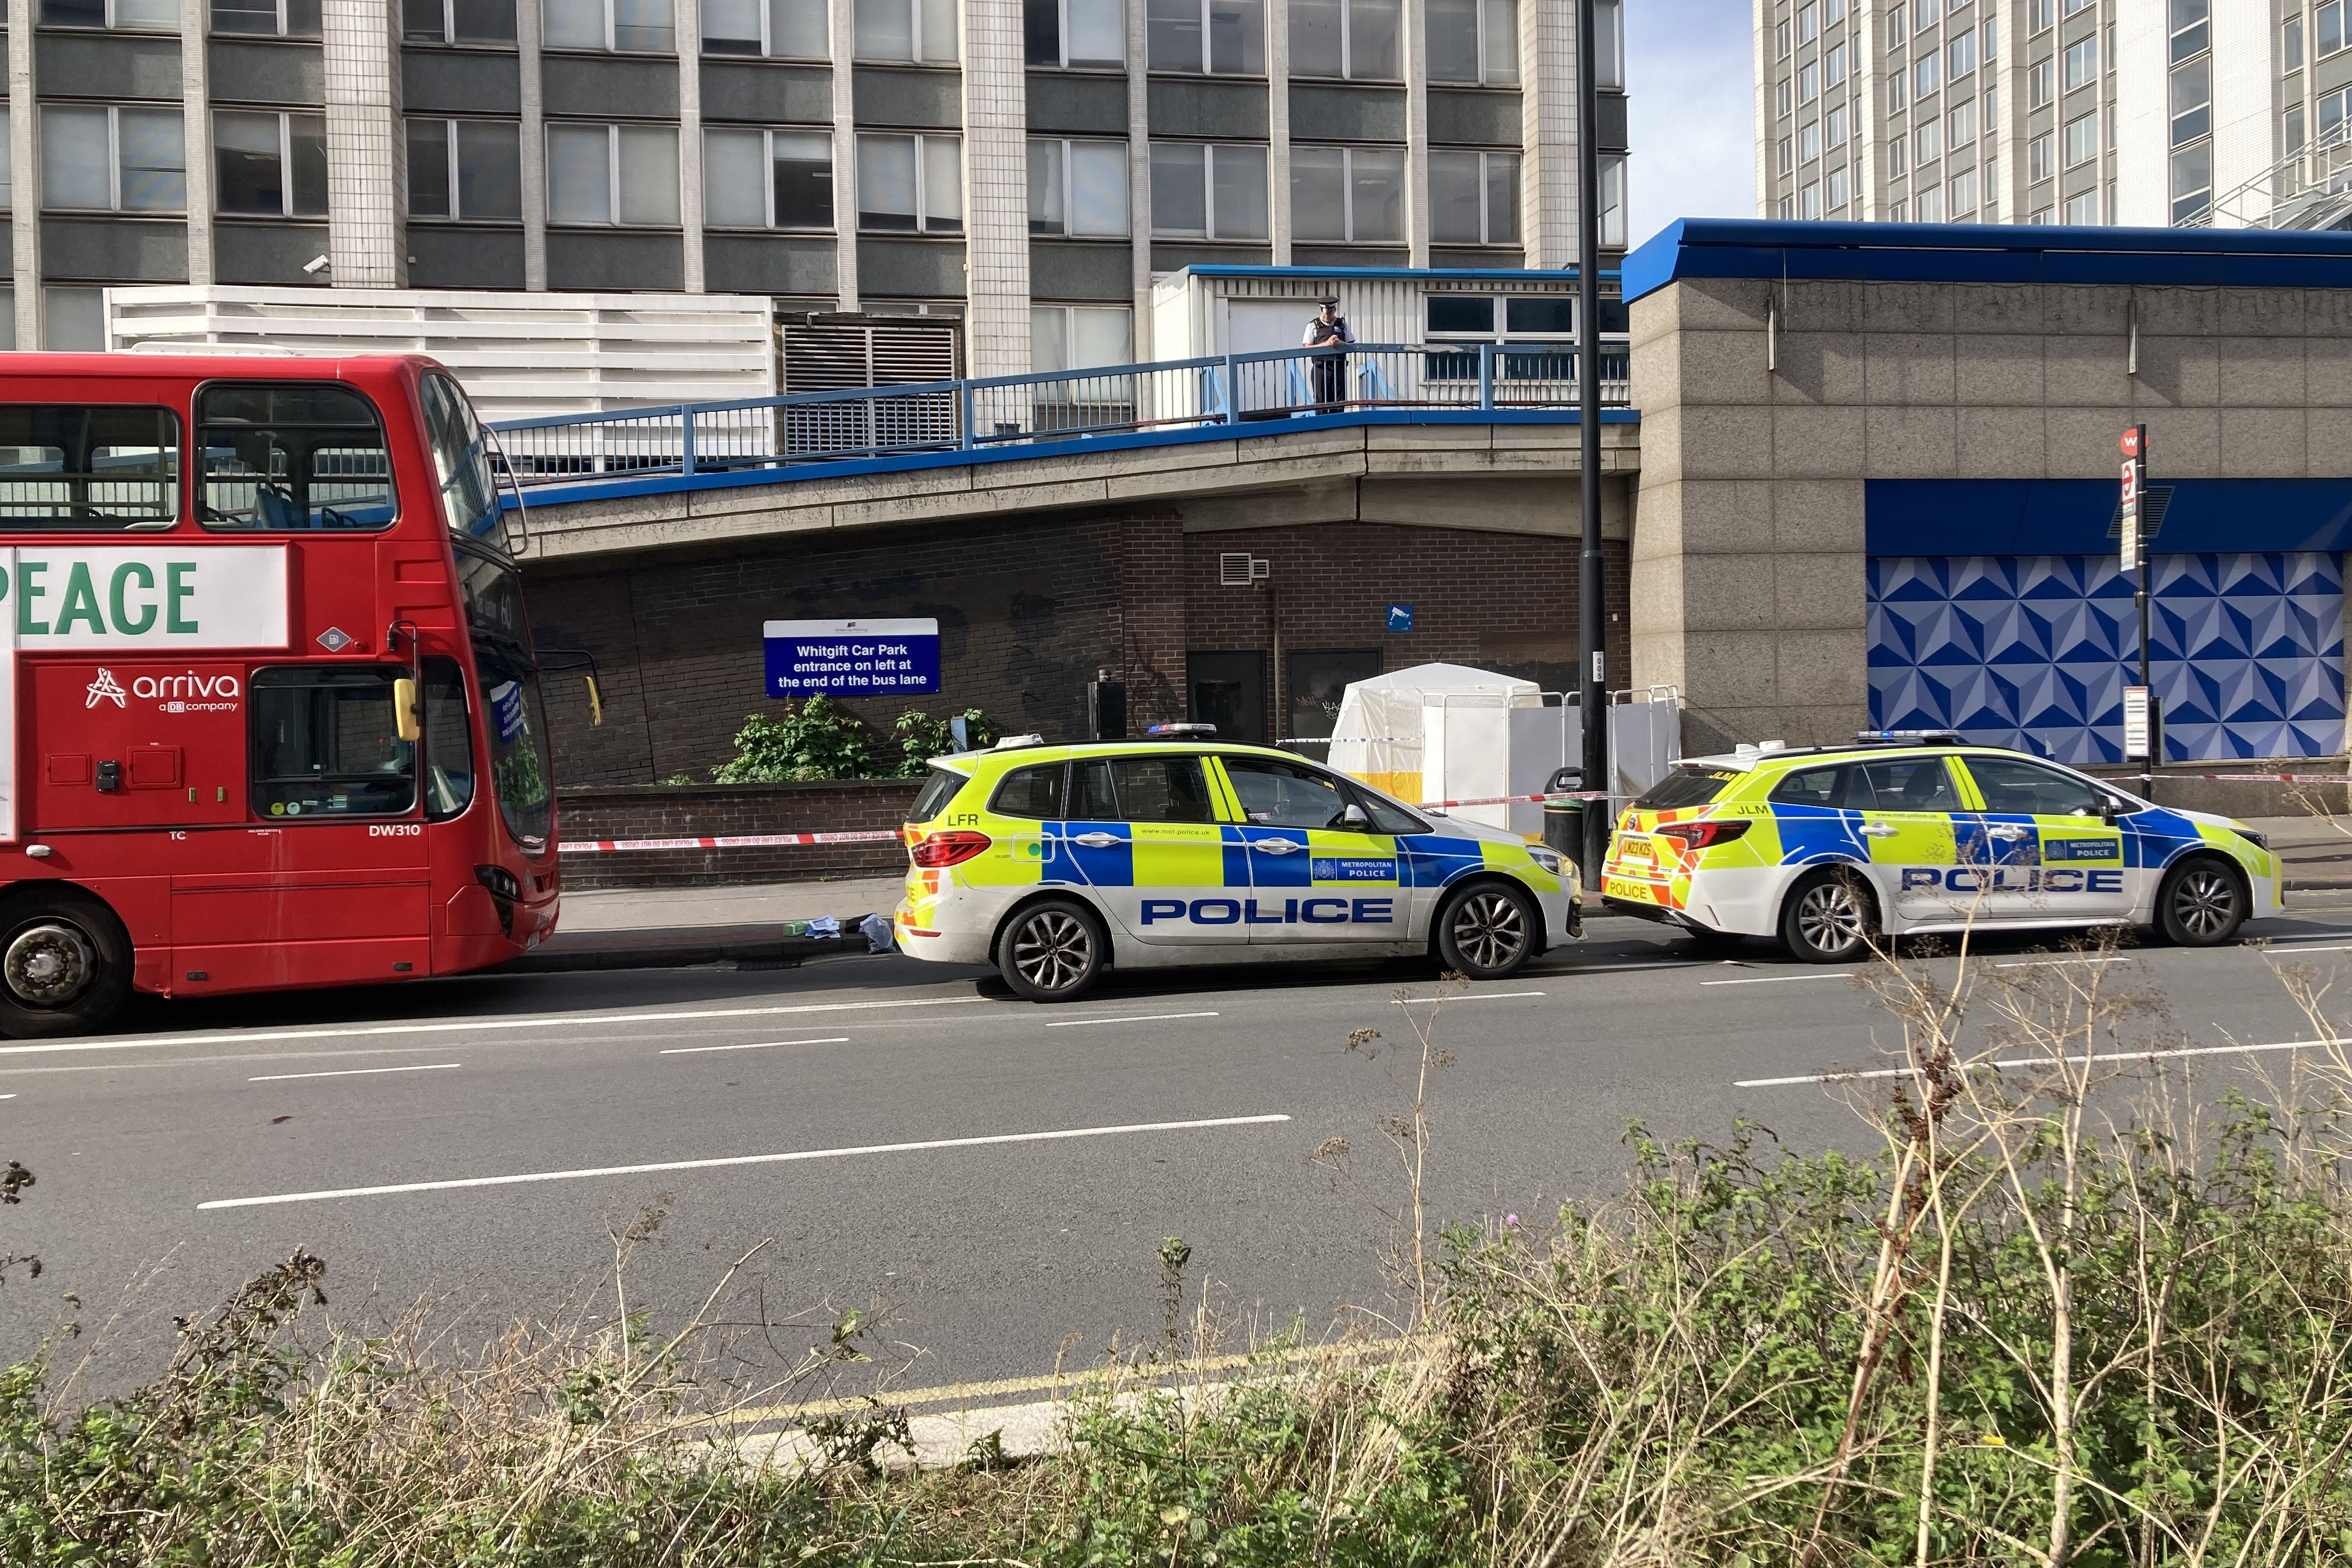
{"type": "Point", "coordinates": [1328, 330]}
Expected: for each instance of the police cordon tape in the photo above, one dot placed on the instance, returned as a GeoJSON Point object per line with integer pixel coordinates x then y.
{"type": "Point", "coordinates": [2264, 778]}
{"type": "Point", "coordinates": [876, 835]}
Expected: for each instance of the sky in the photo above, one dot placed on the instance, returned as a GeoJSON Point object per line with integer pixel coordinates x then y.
{"type": "Point", "coordinates": [1689, 75]}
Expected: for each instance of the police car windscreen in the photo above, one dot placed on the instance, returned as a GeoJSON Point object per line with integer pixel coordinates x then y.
{"type": "Point", "coordinates": [937, 790]}
{"type": "Point", "coordinates": [1682, 789]}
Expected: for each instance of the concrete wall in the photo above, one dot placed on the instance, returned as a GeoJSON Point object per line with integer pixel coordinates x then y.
{"type": "Point", "coordinates": [1747, 581]}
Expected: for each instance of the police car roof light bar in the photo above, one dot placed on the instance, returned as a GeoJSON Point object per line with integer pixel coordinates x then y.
{"type": "Point", "coordinates": [1193, 731]}
{"type": "Point", "coordinates": [1906, 737]}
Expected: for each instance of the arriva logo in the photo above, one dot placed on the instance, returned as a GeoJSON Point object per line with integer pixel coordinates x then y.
{"type": "Point", "coordinates": [183, 686]}
{"type": "Point", "coordinates": [104, 690]}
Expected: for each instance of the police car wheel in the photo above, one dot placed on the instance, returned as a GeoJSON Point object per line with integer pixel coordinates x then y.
{"type": "Point", "coordinates": [1053, 951]}
{"type": "Point", "coordinates": [2202, 904]}
{"type": "Point", "coordinates": [1828, 918]}
{"type": "Point", "coordinates": [65, 965]}
{"type": "Point", "coordinates": [1489, 930]}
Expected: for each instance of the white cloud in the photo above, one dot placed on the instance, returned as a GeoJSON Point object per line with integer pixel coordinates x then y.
{"type": "Point", "coordinates": [1690, 75]}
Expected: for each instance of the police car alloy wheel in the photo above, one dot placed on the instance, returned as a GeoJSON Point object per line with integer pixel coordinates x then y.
{"type": "Point", "coordinates": [2201, 905]}
{"type": "Point", "coordinates": [1828, 918]}
{"type": "Point", "coordinates": [1053, 951]}
{"type": "Point", "coordinates": [1486, 931]}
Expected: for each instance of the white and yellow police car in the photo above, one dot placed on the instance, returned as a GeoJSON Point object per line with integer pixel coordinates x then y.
{"type": "Point", "coordinates": [1914, 832]}
{"type": "Point", "coordinates": [1054, 863]}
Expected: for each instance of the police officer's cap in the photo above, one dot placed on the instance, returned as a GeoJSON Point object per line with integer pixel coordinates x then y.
{"type": "Point", "coordinates": [1328, 299]}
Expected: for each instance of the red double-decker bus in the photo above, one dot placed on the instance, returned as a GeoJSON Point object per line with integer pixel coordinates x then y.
{"type": "Point", "coordinates": [274, 712]}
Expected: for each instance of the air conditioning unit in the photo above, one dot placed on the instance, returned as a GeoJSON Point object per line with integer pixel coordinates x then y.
{"type": "Point", "coordinates": [1236, 569]}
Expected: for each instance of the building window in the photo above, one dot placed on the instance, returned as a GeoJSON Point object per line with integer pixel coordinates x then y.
{"type": "Point", "coordinates": [2191, 33]}
{"type": "Point", "coordinates": [1808, 143]}
{"type": "Point", "coordinates": [470, 170]}
{"type": "Point", "coordinates": [270, 166]}
{"type": "Point", "coordinates": [1834, 65]}
{"type": "Point", "coordinates": [784, 29]}
{"type": "Point", "coordinates": [2329, 28]}
{"type": "Point", "coordinates": [1788, 155]}
{"type": "Point", "coordinates": [281, 18]}
{"type": "Point", "coordinates": [1068, 34]}
{"type": "Point", "coordinates": [2083, 62]}
{"type": "Point", "coordinates": [2082, 140]}
{"type": "Point", "coordinates": [2039, 153]}
{"type": "Point", "coordinates": [1809, 22]}
{"type": "Point", "coordinates": [1896, 149]}
{"type": "Point", "coordinates": [612, 174]}
{"type": "Point", "coordinates": [1785, 40]}
{"type": "Point", "coordinates": [1929, 75]}
{"type": "Point", "coordinates": [1991, 40]}
{"type": "Point", "coordinates": [2291, 43]}
{"type": "Point", "coordinates": [2044, 217]}
{"type": "Point", "coordinates": [2073, 7]}
{"type": "Point", "coordinates": [1077, 188]}
{"type": "Point", "coordinates": [1897, 79]}
{"type": "Point", "coordinates": [1929, 205]}
{"type": "Point", "coordinates": [1963, 191]}
{"type": "Point", "coordinates": [1208, 192]}
{"type": "Point", "coordinates": [1356, 39]}
{"type": "Point", "coordinates": [767, 179]}
{"type": "Point", "coordinates": [1608, 44]}
{"type": "Point", "coordinates": [917, 32]}
{"type": "Point", "coordinates": [2192, 181]}
{"type": "Point", "coordinates": [1352, 194]}
{"type": "Point", "coordinates": [910, 183]}
{"type": "Point", "coordinates": [634, 27]}
{"type": "Point", "coordinates": [98, 159]}
{"type": "Point", "coordinates": [2083, 210]}
{"type": "Point", "coordinates": [2039, 16]}
{"type": "Point", "coordinates": [1834, 127]}
{"type": "Point", "coordinates": [153, 15]}
{"type": "Point", "coordinates": [1478, 41]}
{"type": "Point", "coordinates": [1078, 337]}
{"type": "Point", "coordinates": [459, 21]}
{"type": "Point", "coordinates": [1895, 29]}
{"type": "Point", "coordinates": [2334, 111]}
{"type": "Point", "coordinates": [1991, 213]}
{"type": "Point", "coordinates": [1612, 201]}
{"type": "Point", "coordinates": [1927, 142]}
{"type": "Point", "coordinates": [1960, 56]}
{"type": "Point", "coordinates": [1781, 97]}
{"type": "Point", "coordinates": [1808, 82]}
{"type": "Point", "coordinates": [2040, 76]}
{"type": "Point", "coordinates": [1961, 128]}
{"type": "Point", "coordinates": [1832, 13]}
{"type": "Point", "coordinates": [1474, 198]}
{"type": "Point", "coordinates": [1809, 200]}
{"type": "Point", "coordinates": [2291, 132]}
{"type": "Point", "coordinates": [1924, 12]}
{"type": "Point", "coordinates": [1222, 38]}
{"type": "Point", "coordinates": [1788, 207]}
{"type": "Point", "coordinates": [1835, 189]}
{"type": "Point", "coordinates": [2192, 100]}
{"type": "Point", "coordinates": [1898, 212]}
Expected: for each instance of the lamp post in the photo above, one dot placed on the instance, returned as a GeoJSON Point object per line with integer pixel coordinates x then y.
{"type": "Point", "coordinates": [1593, 695]}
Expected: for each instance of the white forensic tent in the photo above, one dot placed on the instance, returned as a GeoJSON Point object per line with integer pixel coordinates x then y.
{"type": "Point", "coordinates": [1443, 731]}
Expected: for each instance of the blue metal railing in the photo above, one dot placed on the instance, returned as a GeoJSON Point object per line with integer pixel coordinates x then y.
{"type": "Point", "coordinates": [995, 411]}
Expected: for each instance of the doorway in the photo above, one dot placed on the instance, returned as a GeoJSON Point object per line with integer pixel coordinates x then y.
{"type": "Point", "coordinates": [1229, 692]}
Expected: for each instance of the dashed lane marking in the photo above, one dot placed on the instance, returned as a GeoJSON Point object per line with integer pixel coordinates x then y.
{"type": "Point", "coordinates": [2013, 1064]}
{"type": "Point", "coordinates": [1134, 1018]}
{"type": "Point", "coordinates": [754, 1045]}
{"type": "Point", "coordinates": [354, 1072]}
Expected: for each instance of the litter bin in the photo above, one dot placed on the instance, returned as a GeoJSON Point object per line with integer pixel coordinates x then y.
{"type": "Point", "coordinates": [1563, 814]}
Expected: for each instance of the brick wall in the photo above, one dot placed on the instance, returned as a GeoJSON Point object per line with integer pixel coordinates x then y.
{"type": "Point", "coordinates": [715, 811]}
{"type": "Point", "coordinates": [1029, 608]}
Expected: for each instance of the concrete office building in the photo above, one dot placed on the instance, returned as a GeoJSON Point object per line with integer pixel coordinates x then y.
{"type": "Point", "coordinates": [2145, 113]}
{"type": "Point", "coordinates": [1022, 169]}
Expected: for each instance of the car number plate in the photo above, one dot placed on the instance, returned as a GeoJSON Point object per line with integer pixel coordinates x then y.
{"type": "Point", "coordinates": [1638, 849]}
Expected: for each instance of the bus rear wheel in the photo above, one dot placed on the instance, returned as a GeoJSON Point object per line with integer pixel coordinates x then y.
{"type": "Point", "coordinates": [65, 965]}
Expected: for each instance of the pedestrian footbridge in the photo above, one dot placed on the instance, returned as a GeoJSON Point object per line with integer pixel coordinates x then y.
{"type": "Point", "coordinates": [1461, 436]}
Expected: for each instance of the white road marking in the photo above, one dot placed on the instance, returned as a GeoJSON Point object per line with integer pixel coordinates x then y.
{"type": "Point", "coordinates": [1778, 979]}
{"type": "Point", "coordinates": [2044, 962]}
{"type": "Point", "coordinates": [1137, 1018]}
{"type": "Point", "coordinates": [1473, 996]}
{"type": "Point", "coordinates": [741, 1159]}
{"type": "Point", "coordinates": [754, 1045]}
{"type": "Point", "coordinates": [482, 1024]}
{"type": "Point", "coordinates": [2332, 947]}
{"type": "Point", "coordinates": [352, 1072]}
{"type": "Point", "coordinates": [2017, 1062]}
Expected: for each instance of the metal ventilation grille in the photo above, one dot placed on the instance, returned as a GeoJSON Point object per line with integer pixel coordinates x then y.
{"type": "Point", "coordinates": [1239, 570]}
{"type": "Point", "coordinates": [850, 356]}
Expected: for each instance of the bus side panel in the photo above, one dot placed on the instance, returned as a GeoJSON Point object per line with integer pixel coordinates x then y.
{"type": "Point", "coordinates": [224, 967]}
{"type": "Point", "coordinates": [143, 905]}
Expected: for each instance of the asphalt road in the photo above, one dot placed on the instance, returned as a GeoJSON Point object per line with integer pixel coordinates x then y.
{"type": "Point", "coordinates": [877, 1120]}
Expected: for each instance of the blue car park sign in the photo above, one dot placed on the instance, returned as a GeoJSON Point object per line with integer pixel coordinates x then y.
{"type": "Point", "coordinates": [1400, 617]}
{"type": "Point", "coordinates": [852, 659]}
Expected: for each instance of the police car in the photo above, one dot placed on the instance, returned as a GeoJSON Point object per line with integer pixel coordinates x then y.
{"type": "Point", "coordinates": [1914, 832]}
{"type": "Point", "coordinates": [1054, 863]}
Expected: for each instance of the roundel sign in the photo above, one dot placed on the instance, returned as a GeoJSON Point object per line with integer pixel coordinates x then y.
{"type": "Point", "coordinates": [2130, 442]}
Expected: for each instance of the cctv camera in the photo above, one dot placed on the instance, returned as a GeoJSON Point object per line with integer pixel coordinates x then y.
{"type": "Point", "coordinates": [316, 264]}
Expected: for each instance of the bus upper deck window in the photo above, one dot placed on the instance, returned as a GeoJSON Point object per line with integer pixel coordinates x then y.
{"type": "Point", "coordinates": [66, 466]}
{"type": "Point", "coordinates": [293, 455]}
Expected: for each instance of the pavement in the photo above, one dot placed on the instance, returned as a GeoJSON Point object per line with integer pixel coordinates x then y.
{"type": "Point", "coordinates": [991, 1179]}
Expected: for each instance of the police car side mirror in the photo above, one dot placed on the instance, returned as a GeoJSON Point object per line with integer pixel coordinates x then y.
{"type": "Point", "coordinates": [2109, 809]}
{"type": "Point", "coordinates": [1354, 817]}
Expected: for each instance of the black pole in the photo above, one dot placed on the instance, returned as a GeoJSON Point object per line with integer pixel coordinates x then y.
{"type": "Point", "coordinates": [1590, 613]}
